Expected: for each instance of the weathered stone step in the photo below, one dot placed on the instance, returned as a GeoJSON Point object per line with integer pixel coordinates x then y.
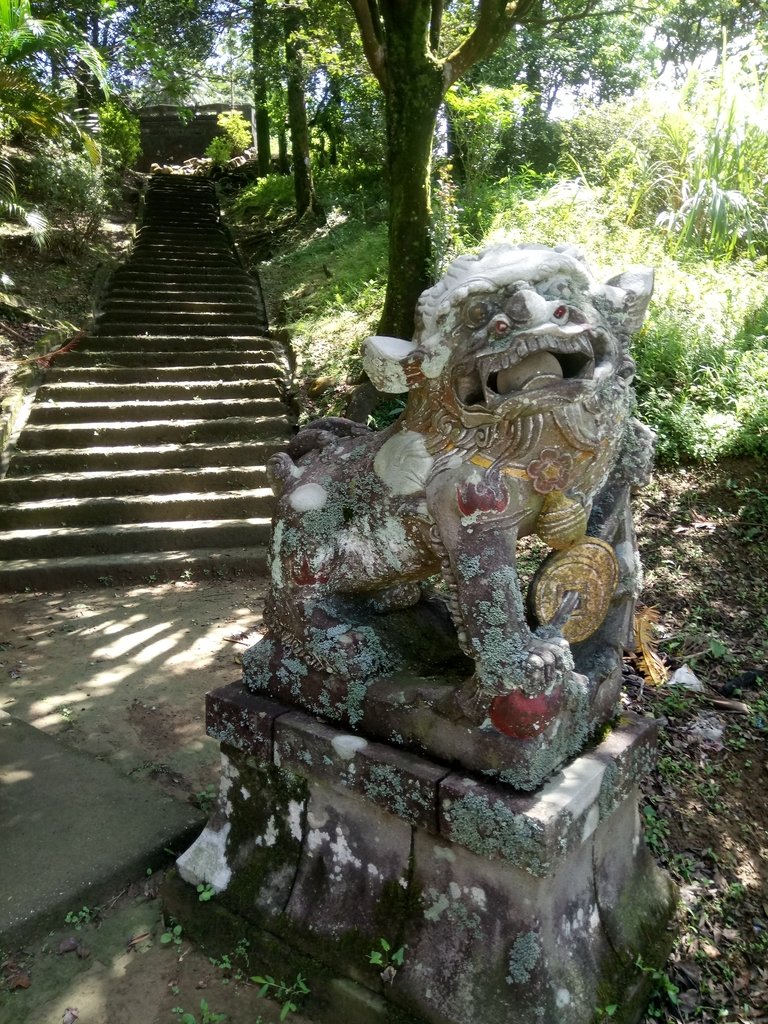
{"type": "Point", "coordinates": [211, 242]}
{"type": "Point", "coordinates": [133, 537]}
{"type": "Point", "coordinates": [162, 292]}
{"type": "Point", "coordinates": [48, 412]}
{"type": "Point", "coordinates": [150, 305]}
{"type": "Point", "coordinates": [185, 276]}
{"type": "Point", "coordinates": [137, 508]}
{"type": "Point", "coordinates": [135, 366]}
{"type": "Point", "coordinates": [193, 456]}
{"type": "Point", "coordinates": [135, 567]}
{"type": "Point", "coordinates": [161, 258]}
{"type": "Point", "coordinates": [139, 356]}
{"type": "Point", "coordinates": [214, 345]}
{"type": "Point", "coordinates": [153, 432]}
{"type": "Point", "coordinates": [155, 332]}
{"type": "Point", "coordinates": [95, 483]}
{"type": "Point", "coordinates": [154, 390]}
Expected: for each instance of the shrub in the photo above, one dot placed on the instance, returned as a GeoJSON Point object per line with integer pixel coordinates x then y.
{"type": "Point", "coordinates": [119, 134]}
{"type": "Point", "coordinates": [70, 191]}
{"type": "Point", "coordinates": [237, 136]}
{"type": "Point", "coordinates": [219, 150]}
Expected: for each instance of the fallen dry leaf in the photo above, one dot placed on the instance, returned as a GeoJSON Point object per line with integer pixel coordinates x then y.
{"type": "Point", "coordinates": [20, 980]}
{"type": "Point", "coordinates": [70, 1015]}
{"type": "Point", "coordinates": [69, 945]}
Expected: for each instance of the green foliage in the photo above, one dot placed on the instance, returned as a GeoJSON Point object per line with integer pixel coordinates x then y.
{"type": "Point", "coordinates": [80, 918]}
{"type": "Point", "coordinates": [236, 136]}
{"type": "Point", "coordinates": [694, 161]}
{"type": "Point", "coordinates": [205, 892]}
{"type": "Point", "coordinates": [120, 135]}
{"type": "Point", "coordinates": [266, 198]}
{"type": "Point", "coordinates": [219, 150]}
{"type": "Point", "coordinates": [288, 995]}
{"type": "Point", "coordinates": [207, 1016]}
{"type": "Point", "coordinates": [236, 130]}
{"type": "Point", "coordinates": [70, 190]}
{"type": "Point", "coordinates": [388, 960]}
{"type": "Point", "coordinates": [172, 935]}
{"type": "Point", "coordinates": [479, 117]}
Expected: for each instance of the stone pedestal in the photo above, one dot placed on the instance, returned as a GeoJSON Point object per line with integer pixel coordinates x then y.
{"type": "Point", "coordinates": [521, 908]}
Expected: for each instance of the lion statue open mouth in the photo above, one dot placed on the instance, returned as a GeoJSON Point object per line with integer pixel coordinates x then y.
{"type": "Point", "coordinates": [517, 423]}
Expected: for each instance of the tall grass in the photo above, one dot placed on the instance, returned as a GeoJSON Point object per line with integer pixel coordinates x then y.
{"type": "Point", "coordinates": [693, 161]}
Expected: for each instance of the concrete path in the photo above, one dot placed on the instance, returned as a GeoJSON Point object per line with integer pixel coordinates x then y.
{"type": "Point", "coordinates": [72, 829]}
{"type": "Point", "coordinates": [143, 453]}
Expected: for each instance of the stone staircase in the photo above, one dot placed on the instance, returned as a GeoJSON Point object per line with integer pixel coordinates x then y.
{"type": "Point", "coordinates": [143, 453]}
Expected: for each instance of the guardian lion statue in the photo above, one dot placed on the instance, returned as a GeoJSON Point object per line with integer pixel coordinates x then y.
{"type": "Point", "coordinates": [517, 423]}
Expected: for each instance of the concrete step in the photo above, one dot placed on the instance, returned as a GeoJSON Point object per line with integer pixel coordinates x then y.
{"type": "Point", "coordinates": [109, 510]}
{"type": "Point", "coordinates": [215, 345]}
{"type": "Point", "coordinates": [157, 314]}
{"type": "Point", "coordinates": [49, 412]}
{"type": "Point", "coordinates": [193, 456]}
{"type": "Point", "coordinates": [128, 538]}
{"type": "Point", "coordinates": [154, 390]}
{"type": "Point", "coordinates": [139, 305]}
{"type": "Point", "coordinates": [173, 293]}
{"type": "Point", "coordinates": [158, 332]}
{"type": "Point", "coordinates": [159, 366]}
{"type": "Point", "coordinates": [185, 277]}
{"type": "Point", "coordinates": [212, 359]}
{"type": "Point", "coordinates": [136, 567]}
{"type": "Point", "coordinates": [95, 484]}
{"type": "Point", "coordinates": [154, 432]}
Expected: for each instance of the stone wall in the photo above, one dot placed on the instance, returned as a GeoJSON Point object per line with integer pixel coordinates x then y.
{"type": "Point", "coordinates": [171, 134]}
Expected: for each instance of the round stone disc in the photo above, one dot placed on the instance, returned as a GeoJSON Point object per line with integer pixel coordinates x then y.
{"type": "Point", "coordinates": [591, 570]}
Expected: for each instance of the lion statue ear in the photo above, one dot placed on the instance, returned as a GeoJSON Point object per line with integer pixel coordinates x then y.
{"type": "Point", "coordinates": [629, 294]}
{"type": "Point", "coordinates": [385, 359]}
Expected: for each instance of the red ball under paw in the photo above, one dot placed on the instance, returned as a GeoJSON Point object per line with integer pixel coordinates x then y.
{"type": "Point", "coordinates": [522, 717]}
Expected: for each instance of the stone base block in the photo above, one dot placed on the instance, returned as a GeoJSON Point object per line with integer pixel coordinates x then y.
{"type": "Point", "coordinates": [514, 908]}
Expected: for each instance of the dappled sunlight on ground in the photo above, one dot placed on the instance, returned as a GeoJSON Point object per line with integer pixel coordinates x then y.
{"type": "Point", "coordinates": [122, 674]}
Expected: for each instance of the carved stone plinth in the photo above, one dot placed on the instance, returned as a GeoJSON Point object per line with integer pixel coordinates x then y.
{"type": "Point", "coordinates": [521, 908]}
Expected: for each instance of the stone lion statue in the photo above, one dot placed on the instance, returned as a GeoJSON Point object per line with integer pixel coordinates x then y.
{"type": "Point", "coordinates": [517, 423]}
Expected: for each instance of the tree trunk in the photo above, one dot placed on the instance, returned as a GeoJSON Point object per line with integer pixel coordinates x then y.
{"type": "Point", "coordinates": [283, 164]}
{"type": "Point", "coordinates": [306, 200]}
{"type": "Point", "coordinates": [263, 143]}
{"type": "Point", "coordinates": [413, 103]}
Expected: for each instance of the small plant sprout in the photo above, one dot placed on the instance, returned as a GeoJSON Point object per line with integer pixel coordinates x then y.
{"type": "Point", "coordinates": [389, 962]}
{"type": "Point", "coordinates": [287, 995]}
{"type": "Point", "coordinates": [80, 918]}
{"type": "Point", "coordinates": [172, 935]}
{"type": "Point", "coordinates": [207, 1016]}
{"type": "Point", "coordinates": [205, 892]}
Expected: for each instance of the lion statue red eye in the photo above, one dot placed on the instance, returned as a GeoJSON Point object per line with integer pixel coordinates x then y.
{"type": "Point", "coordinates": [560, 314]}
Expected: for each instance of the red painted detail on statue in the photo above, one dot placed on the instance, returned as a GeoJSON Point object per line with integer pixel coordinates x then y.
{"type": "Point", "coordinates": [481, 497]}
{"type": "Point", "coordinates": [523, 717]}
{"type": "Point", "coordinates": [305, 576]}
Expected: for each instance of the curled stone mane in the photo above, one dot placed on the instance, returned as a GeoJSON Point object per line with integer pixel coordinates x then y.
{"type": "Point", "coordinates": [484, 272]}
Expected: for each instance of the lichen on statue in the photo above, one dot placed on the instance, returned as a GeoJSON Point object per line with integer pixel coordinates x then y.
{"type": "Point", "coordinates": [518, 422]}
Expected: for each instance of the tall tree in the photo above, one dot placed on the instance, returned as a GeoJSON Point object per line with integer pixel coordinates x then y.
{"type": "Point", "coordinates": [401, 40]}
{"type": "Point", "coordinates": [306, 200]}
